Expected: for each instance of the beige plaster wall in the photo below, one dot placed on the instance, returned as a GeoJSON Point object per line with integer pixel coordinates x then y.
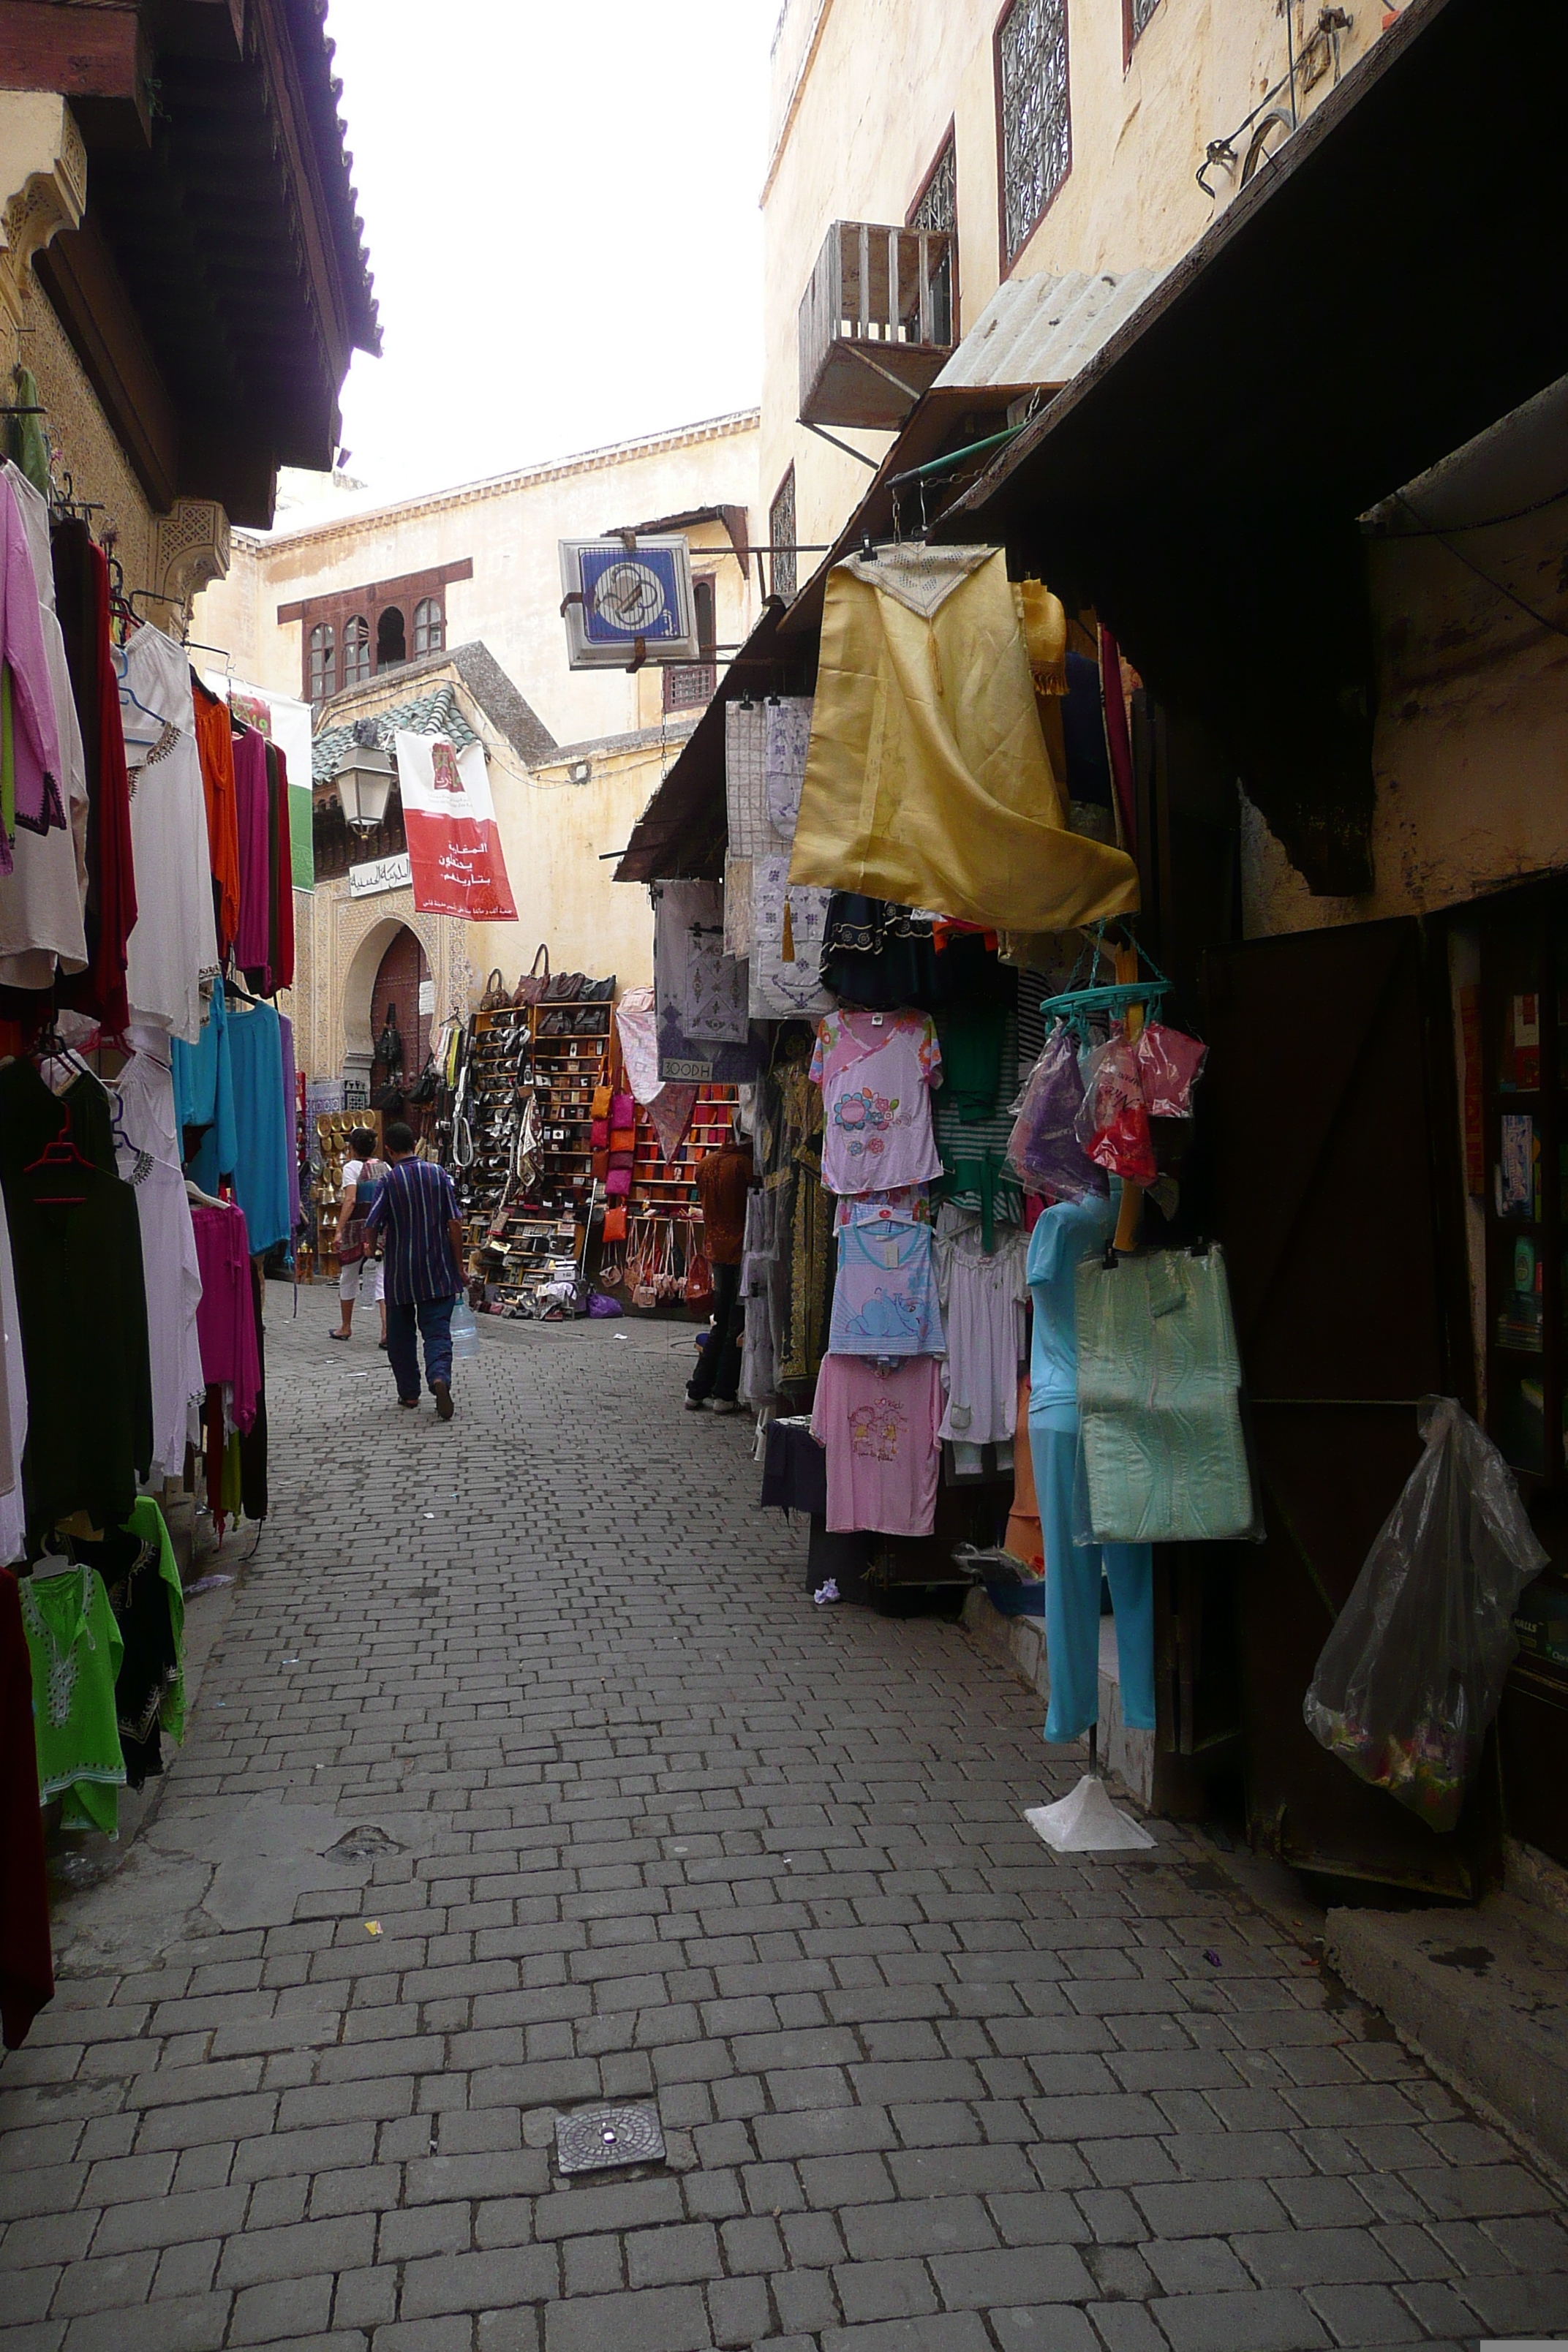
{"type": "Point", "coordinates": [510, 529]}
{"type": "Point", "coordinates": [862, 97]}
{"type": "Point", "coordinates": [557, 836]}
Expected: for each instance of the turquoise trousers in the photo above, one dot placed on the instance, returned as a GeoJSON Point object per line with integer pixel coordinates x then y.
{"type": "Point", "coordinates": [1073, 1596]}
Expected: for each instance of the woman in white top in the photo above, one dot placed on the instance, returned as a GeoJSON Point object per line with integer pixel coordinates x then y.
{"type": "Point", "coordinates": [361, 1174]}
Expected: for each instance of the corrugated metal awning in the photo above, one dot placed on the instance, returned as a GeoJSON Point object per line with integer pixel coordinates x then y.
{"type": "Point", "coordinates": [1042, 329]}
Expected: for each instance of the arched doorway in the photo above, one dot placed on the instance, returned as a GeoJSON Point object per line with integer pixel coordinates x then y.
{"type": "Point", "coordinates": [403, 983]}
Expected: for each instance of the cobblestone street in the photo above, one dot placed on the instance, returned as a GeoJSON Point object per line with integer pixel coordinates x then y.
{"type": "Point", "coordinates": [524, 1773]}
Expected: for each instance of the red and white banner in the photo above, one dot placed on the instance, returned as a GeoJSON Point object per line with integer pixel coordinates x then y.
{"type": "Point", "coordinates": [454, 846]}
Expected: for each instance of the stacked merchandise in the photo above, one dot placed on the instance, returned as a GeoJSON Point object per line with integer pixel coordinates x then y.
{"type": "Point", "coordinates": [333, 1151]}
{"type": "Point", "coordinates": [522, 1146]}
{"type": "Point", "coordinates": [653, 1221]}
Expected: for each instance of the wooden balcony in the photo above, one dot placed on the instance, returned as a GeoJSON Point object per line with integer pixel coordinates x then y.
{"type": "Point", "coordinates": [876, 323]}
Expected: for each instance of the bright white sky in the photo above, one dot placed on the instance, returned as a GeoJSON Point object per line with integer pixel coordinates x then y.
{"type": "Point", "coordinates": [561, 208]}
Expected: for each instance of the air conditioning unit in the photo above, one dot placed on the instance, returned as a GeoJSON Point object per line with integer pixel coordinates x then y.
{"type": "Point", "coordinates": [627, 600]}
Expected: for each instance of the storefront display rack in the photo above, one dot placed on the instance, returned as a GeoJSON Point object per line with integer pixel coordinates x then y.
{"type": "Point", "coordinates": [662, 1188]}
{"type": "Point", "coordinates": [333, 1129]}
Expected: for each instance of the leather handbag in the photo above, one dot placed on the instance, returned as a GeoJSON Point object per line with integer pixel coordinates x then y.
{"type": "Point", "coordinates": [623, 1138]}
{"type": "Point", "coordinates": [563, 988]}
{"type": "Point", "coordinates": [618, 1184]}
{"type": "Point", "coordinates": [599, 1136]}
{"type": "Point", "coordinates": [533, 983]}
{"type": "Point", "coordinates": [597, 992]}
{"type": "Point", "coordinates": [601, 1103]}
{"type": "Point", "coordinates": [495, 998]}
{"type": "Point", "coordinates": [697, 1289]}
{"type": "Point", "coordinates": [622, 1110]}
{"type": "Point", "coordinates": [615, 1225]}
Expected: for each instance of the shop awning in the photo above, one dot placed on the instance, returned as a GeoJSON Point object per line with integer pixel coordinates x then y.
{"type": "Point", "coordinates": [1393, 279]}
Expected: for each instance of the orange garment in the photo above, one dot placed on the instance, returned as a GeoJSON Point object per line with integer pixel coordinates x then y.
{"type": "Point", "coordinates": [1024, 1539]}
{"type": "Point", "coordinates": [723, 1181]}
{"type": "Point", "coordinates": [215, 747]}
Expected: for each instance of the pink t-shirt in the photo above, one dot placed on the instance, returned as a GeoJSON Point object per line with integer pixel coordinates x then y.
{"type": "Point", "coordinates": [879, 1431]}
{"type": "Point", "coordinates": [876, 1071]}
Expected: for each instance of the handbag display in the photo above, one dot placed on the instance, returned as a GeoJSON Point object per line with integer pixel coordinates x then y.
{"type": "Point", "coordinates": [533, 983]}
{"type": "Point", "coordinates": [600, 1107]}
{"type": "Point", "coordinates": [495, 998]}
{"type": "Point", "coordinates": [614, 1225]}
{"type": "Point", "coordinates": [622, 1139]}
{"type": "Point", "coordinates": [597, 992]}
{"type": "Point", "coordinates": [618, 1184]}
{"type": "Point", "coordinates": [562, 988]}
{"type": "Point", "coordinates": [623, 1111]}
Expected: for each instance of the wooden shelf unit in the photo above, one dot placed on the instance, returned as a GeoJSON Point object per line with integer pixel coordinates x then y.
{"type": "Point", "coordinates": [543, 1233]}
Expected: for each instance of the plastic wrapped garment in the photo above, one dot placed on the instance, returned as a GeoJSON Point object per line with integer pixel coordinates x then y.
{"type": "Point", "coordinates": [1044, 1148]}
{"type": "Point", "coordinates": [1412, 1674]}
{"type": "Point", "coordinates": [928, 780]}
{"type": "Point", "coordinates": [1162, 1452]}
{"type": "Point", "coordinates": [1113, 1124]}
{"type": "Point", "coordinates": [1169, 1067]}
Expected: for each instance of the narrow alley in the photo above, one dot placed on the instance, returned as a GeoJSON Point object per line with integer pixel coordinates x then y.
{"type": "Point", "coordinates": [524, 1774]}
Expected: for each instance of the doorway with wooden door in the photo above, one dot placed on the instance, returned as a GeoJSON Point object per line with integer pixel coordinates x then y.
{"type": "Point", "coordinates": [402, 1012]}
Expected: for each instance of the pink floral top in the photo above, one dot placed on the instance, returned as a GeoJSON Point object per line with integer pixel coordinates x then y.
{"type": "Point", "coordinates": [876, 1071]}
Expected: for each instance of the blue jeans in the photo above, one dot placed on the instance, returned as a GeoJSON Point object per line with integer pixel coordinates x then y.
{"type": "Point", "coordinates": [1072, 1601]}
{"type": "Point", "coordinates": [433, 1319]}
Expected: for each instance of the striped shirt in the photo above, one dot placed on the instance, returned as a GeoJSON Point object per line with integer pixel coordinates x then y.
{"type": "Point", "coordinates": [416, 1203]}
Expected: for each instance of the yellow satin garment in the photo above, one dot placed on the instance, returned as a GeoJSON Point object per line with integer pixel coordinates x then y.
{"type": "Point", "coordinates": [928, 780]}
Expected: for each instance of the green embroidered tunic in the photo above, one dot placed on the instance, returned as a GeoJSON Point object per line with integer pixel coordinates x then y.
{"type": "Point", "coordinates": [75, 1647]}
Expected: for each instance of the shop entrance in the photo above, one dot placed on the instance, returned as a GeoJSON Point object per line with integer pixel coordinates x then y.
{"type": "Point", "coordinates": [403, 983]}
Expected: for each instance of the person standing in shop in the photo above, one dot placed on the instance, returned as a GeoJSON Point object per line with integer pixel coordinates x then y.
{"type": "Point", "coordinates": [361, 1270]}
{"type": "Point", "coordinates": [723, 1179]}
{"type": "Point", "coordinates": [416, 1208]}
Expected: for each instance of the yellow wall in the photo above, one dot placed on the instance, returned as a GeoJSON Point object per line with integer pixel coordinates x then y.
{"type": "Point", "coordinates": [862, 96]}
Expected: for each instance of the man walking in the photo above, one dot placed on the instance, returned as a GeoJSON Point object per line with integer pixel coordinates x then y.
{"type": "Point", "coordinates": [418, 1211]}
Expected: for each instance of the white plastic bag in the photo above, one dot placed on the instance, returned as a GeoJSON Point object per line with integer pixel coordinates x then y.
{"type": "Point", "coordinates": [1412, 1674]}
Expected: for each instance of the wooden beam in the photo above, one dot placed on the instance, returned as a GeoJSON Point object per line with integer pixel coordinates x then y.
{"type": "Point", "coordinates": [80, 51]}
{"type": "Point", "coordinates": [77, 273]}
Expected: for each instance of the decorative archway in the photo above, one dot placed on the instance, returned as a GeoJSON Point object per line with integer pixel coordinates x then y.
{"type": "Point", "coordinates": [361, 1015]}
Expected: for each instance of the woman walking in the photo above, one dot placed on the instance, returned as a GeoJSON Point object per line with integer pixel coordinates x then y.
{"type": "Point", "coordinates": [361, 1271]}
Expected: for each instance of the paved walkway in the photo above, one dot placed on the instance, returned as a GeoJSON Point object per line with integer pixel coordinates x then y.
{"type": "Point", "coordinates": [524, 1774]}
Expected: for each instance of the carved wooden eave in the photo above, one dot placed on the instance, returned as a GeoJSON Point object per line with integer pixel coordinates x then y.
{"type": "Point", "coordinates": [213, 283]}
{"type": "Point", "coordinates": [43, 184]}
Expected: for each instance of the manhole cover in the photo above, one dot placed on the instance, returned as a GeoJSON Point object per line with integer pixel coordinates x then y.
{"type": "Point", "coordinates": [595, 2138]}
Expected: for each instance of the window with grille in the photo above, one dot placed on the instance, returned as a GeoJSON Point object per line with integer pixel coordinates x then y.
{"type": "Point", "coordinates": [429, 627]}
{"type": "Point", "coordinates": [356, 650]}
{"type": "Point", "coordinates": [323, 661]}
{"type": "Point", "coordinates": [1036, 125]}
{"type": "Point", "coordinates": [937, 207]}
{"type": "Point", "coordinates": [783, 535]}
{"type": "Point", "coordinates": [687, 686]}
{"type": "Point", "coordinates": [1135, 16]}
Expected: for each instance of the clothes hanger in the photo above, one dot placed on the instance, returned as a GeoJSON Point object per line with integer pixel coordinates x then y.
{"type": "Point", "coordinates": [60, 1152]}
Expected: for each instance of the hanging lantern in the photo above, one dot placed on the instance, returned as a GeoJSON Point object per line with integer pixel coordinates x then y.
{"type": "Point", "coordinates": [363, 779]}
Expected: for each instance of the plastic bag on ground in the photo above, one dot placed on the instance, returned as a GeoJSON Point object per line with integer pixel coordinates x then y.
{"type": "Point", "coordinates": [1412, 1674]}
{"type": "Point", "coordinates": [1113, 1124]}
{"type": "Point", "coordinates": [1042, 1148]}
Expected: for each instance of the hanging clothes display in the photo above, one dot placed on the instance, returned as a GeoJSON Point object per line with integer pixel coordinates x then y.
{"type": "Point", "coordinates": [147, 1159]}
{"type": "Point", "coordinates": [142, 1582]}
{"type": "Point", "coordinates": [174, 942]}
{"type": "Point", "coordinates": [263, 1131]}
{"type": "Point", "coordinates": [1066, 1241]}
{"type": "Point", "coordinates": [75, 1647]}
{"type": "Point", "coordinates": [253, 814]}
{"type": "Point", "coordinates": [31, 768]}
{"type": "Point", "coordinates": [82, 587]}
{"type": "Point", "coordinates": [928, 779]}
{"type": "Point", "coordinates": [225, 1317]}
{"type": "Point", "coordinates": [885, 1297]}
{"type": "Point", "coordinates": [76, 1248]}
{"type": "Point", "coordinates": [203, 1095]}
{"type": "Point", "coordinates": [695, 982]}
{"type": "Point", "coordinates": [43, 869]}
{"type": "Point", "coordinates": [215, 749]}
{"type": "Point", "coordinates": [877, 1423]}
{"type": "Point", "coordinates": [13, 1403]}
{"type": "Point", "coordinates": [876, 1072]}
{"type": "Point", "coordinates": [27, 1960]}
{"type": "Point", "coordinates": [983, 1297]}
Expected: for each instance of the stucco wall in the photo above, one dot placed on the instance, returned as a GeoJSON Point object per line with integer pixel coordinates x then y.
{"type": "Point", "coordinates": [510, 529]}
{"type": "Point", "coordinates": [862, 97]}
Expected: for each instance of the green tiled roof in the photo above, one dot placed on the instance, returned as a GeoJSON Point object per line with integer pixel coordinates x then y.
{"type": "Point", "coordinates": [432, 714]}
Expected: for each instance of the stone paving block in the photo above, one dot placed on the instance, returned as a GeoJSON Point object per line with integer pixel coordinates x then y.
{"type": "Point", "coordinates": [737, 2311]}
{"type": "Point", "coordinates": [1365, 2315]}
{"type": "Point", "coordinates": [664, 2319]}
{"type": "Point", "coordinates": [1012, 2274]}
{"type": "Point", "coordinates": [283, 2311]}
{"type": "Point", "coordinates": [918, 2227]}
{"type": "Point", "coordinates": [1209, 2208]}
{"type": "Point", "coordinates": [891, 2290]}
{"type": "Point", "coordinates": [185, 2324]}
{"type": "Point", "coordinates": [948, 2331]}
{"type": "Point", "coordinates": [450, 2283]}
{"type": "Point", "coordinates": [673, 2256]}
{"type": "Point", "coordinates": [1273, 2319]}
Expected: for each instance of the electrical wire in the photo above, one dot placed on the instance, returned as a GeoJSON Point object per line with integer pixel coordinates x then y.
{"type": "Point", "coordinates": [1489, 522]}
{"type": "Point", "coordinates": [1555, 627]}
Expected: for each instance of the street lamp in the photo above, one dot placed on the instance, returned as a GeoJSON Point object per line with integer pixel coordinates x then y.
{"type": "Point", "coordinates": [363, 779]}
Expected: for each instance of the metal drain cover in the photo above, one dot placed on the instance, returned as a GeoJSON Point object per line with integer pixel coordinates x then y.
{"type": "Point", "coordinates": [595, 2139]}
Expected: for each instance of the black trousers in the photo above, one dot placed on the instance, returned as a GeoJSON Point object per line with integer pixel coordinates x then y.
{"type": "Point", "coordinates": [718, 1369]}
